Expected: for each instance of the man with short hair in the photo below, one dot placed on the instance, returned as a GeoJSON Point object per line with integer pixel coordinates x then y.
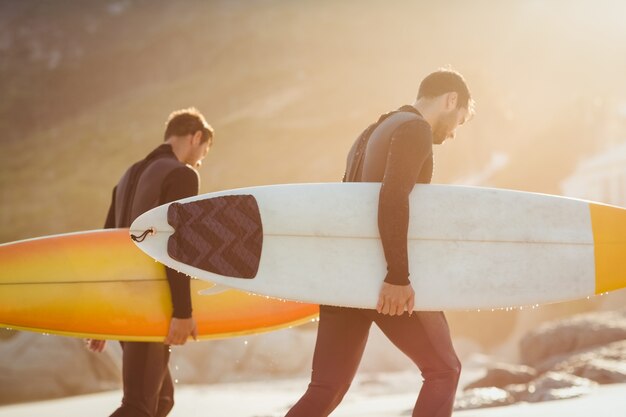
{"type": "Point", "coordinates": [167, 174]}
{"type": "Point", "coordinates": [397, 152]}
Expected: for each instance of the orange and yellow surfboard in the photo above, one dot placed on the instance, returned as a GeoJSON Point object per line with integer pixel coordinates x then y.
{"type": "Point", "coordinates": [98, 284]}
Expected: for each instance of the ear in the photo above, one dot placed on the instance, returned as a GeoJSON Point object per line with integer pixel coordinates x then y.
{"type": "Point", "coordinates": [196, 138]}
{"type": "Point", "coordinates": [451, 100]}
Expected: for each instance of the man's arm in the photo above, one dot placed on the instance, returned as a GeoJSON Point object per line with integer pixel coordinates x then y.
{"type": "Point", "coordinates": [180, 183]}
{"type": "Point", "coordinates": [409, 148]}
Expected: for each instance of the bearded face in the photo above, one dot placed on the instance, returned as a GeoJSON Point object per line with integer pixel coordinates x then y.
{"type": "Point", "coordinates": [445, 126]}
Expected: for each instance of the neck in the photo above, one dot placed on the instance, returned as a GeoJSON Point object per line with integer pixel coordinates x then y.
{"type": "Point", "coordinates": [426, 109]}
{"type": "Point", "coordinates": [177, 148]}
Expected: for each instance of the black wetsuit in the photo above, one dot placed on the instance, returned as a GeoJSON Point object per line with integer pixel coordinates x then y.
{"type": "Point", "coordinates": [399, 159]}
{"type": "Point", "coordinates": [158, 179]}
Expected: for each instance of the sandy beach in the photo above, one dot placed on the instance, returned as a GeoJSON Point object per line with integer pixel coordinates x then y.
{"type": "Point", "coordinates": [381, 395]}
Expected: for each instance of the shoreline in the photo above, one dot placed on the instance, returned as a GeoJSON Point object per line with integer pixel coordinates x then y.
{"type": "Point", "coordinates": [377, 394]}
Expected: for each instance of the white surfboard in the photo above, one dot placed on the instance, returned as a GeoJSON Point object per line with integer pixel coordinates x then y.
{"type": "Point", "coordinates": [469, 247]}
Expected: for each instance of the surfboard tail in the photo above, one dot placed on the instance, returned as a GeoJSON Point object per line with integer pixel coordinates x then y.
{"type": "Point", "coordinates": [222, 235]}
{"type": "Point", "coordinates": [609, 234]}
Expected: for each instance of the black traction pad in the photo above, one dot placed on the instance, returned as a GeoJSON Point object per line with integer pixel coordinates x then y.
{"type": "Point", "coordinates": [222, 235]}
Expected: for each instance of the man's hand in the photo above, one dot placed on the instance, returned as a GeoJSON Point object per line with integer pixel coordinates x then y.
{"type": "Point", "coordinates": [395, 299]}
{"type": "Point", "coordinates": [180, 330]}
{"type": "Point", "coordinates": [95, 345]}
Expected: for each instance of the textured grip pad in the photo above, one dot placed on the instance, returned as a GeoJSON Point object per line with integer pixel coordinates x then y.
{"type": "Point", "coordinates": [222, 235]}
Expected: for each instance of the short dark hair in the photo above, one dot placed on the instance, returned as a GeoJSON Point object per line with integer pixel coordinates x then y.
{"type": "Point", "coordinates": [187, 122]}
{"type": "Point", "coordinates": [446, 80]}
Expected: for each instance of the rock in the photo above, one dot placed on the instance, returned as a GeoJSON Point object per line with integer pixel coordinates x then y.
{"type": "Point", "coordinates": [604, 365]}
{"type": "Point", "coordinates": [551, 386]}
{"type": "Point", "coordinates": [208, 361]}
{"type": "Point", "coordinates": [500, 375]}
{"type": "Point", "coordinates": [42, 367]}
{"type": "Point", "coordinates": [282, 353]}
{"type": "Point", "coordinates": [518, 391]}
{"type": "Point", "coordinates": [556, 386]}
{"type": "Point", "coordinates": [602, 371]}
{"type": "Point", "coordinates": [555, 339]}
{"type": "Point", "coordinates": [482, 398]}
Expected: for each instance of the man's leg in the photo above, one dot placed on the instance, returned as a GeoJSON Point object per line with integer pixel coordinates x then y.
{"type": "Point", "coordinates": [425, 338]}
{"type": "Point", "coordinates": [166, 396]}
{"type": "Point", "coordinates": [144, 366]}
{"type": "Point", "coordinates": [341, 338]}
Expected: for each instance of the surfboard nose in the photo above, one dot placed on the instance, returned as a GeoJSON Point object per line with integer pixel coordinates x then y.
{"type": "Point", "coordinates": [222, 235]}
{"type": "Point", "coordinates": [609, 235]}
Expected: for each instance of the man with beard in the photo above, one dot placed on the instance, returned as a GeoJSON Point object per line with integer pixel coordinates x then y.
{"type": "Point", "coordinates": [397, 152]}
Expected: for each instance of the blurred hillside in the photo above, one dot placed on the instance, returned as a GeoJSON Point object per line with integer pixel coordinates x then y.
{"type": "Point", "coordinates": [85, 89]}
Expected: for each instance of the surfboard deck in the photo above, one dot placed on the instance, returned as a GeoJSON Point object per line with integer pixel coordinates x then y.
{"type": "Point", "coordinates": [97, 284]}
{"type": "Point", "coordinates": [469, 247]}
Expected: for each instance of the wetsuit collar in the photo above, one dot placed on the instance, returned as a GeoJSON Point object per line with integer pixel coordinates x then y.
{"type": "Point", "coordinates": [411, 109]}
{"type": "Point", "coordinates": [163, 151]}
